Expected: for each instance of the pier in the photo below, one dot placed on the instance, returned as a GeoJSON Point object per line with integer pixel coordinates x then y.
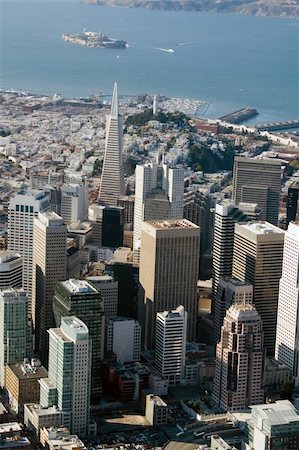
{"type": "Point", "coordinates": [240, 115]}
{"type": "Point", "coordinates": [275, 126]}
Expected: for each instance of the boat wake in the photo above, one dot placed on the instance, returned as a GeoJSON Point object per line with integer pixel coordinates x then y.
{"type": "Point", "coordinates": [168, 50]}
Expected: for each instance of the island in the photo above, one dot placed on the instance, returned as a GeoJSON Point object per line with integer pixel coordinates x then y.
{"type": "Point", "coordinates": [94, 39]}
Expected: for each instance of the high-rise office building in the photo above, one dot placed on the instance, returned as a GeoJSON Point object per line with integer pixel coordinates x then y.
{"type": "Point", "coordinates": [11, 268]}
{"type": "Point", "coordinates": [109, 290]}
{"type": "Point", "coordinates": [15, 338]}
{"type": "Point", "coordinates": [112, 181]}
{"type": "Point", "coordinates": [73, 203]}
{"type": "Point", "coordinates": [258, 181]}
{"type": "Point", "coordinates": [258, 250]}
{"type": "Point", "coordinates": [127, 202]}
{"type": "Point", "coordinates": [168, 272]}
{"type": "Point", "coordinates": [54, 194]}
{"type": "Point", "coordinates": [230, 290]}
{"type": "Point", "coordinates": [226, 215]}
{"type": "Point", "coordinates": [159, 194]}
{"type": "Point", "coordinates": [292, 203]}
{"type": "Point", "coordinates": [170, 350]}
{"type": "Point", "coordinates": [287, 334]}
{"type": "Point", "coordinates": [68, 385]}
{"type": "Point", "coordinates": [22, 209]}
{"type": "Point", "coordinates": [123, 338]}
{"type": "Point", "coordinates": [49, 267]}
{"type": "Point", "coordinates": [82, 299]}
{"type": "Point", "coordinates": [239, 372]}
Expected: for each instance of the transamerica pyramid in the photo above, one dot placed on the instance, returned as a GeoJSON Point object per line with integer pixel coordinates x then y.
{"type": "Point", "coordinates": [112, 180]}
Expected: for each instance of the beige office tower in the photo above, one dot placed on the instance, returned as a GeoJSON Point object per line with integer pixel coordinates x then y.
{"type": "Point", "coordinates": [49, 267]}
{"type": "Point", "coordinates": [22, 209]}
{"type": "Point", "coordinates": [258, 181]}
{"type": "Point", "coordinates": [112, 181]}
{"type": "Point", "coordinates": [257, 259]}
{"type": "Point", "coordinates": [168, 272]}
{"type": "Point", "coordinates": [239, 373]}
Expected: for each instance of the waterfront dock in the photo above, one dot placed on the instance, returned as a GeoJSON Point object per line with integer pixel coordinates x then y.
{"type": "Point", "coordinates": [239, 116]}
{"type": "Point", "coordinates": [275, 126]}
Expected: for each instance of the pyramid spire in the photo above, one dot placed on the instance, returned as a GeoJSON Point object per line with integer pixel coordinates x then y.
{"type": "Point", "coordinates": [114, 102]}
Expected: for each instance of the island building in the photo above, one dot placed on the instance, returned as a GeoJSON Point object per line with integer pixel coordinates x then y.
{"type": "Point", "coordinates": [81, 298]}
{"type": "Point", "coordinates": [159, 194]}
{"type": "Point", "coordinates": [292, 203]}
{"type": "Point", "coordinates": [170, 349]}
{"type": "Point", "coordinates": [257, 259]}
{"type": "Point", "coordinates": [240, 356]}
{"type": "Point", "coordinates": [108, 288]}
{"type": "Point", "coordinates": [274, 426]}
{"type": "Point", "coordinates": [68, 384]}
{"type": "Point", "coordinates": [168, 272]}
{"type": "Point", "coordinates": [22, 209]}
{"type": "Point", "coordinates": [11, 268]}
{"type": "Point", "coordinates": [287, 333]}
{"type": "Point", "coordinates": [258, 181]}
{"type": "Point", "coordinates": [74, 207]}
{"type": "Point", "coordinates": [49, 267]}
{"type": "Point", "coordinates": [15, 333]}
{"type": "Point", "coordinates": [123, 338]}
{"type": "Point", "coordinates": [230, 290]}
{"type": "Point", "coordinates": [112, 181]}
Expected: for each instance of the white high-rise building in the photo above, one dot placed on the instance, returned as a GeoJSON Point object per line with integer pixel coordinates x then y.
{"type": "Point", "coordinates": [69, 373]}
{"type": "Point", "coordinates": [22, 209]}
{"type": "Point", "coordinates": [11, 268]}
{"type": "Point", "coordinates": [14, 329]}
{"type": "Point", "coordinates": [171, 331]}
{"type": "Point", "coordinates": [49, 267]}
{"type": "Point", "coordinates": [159, 194]}
{"type": "Point", "coordinates": [112, 181]}
{"type": "Point", "coordinates": [239, 372]}
{"type": "Point", "coordinates": [73, 203]}
{"type": "Point", "coordinates": [287, 331]}
{"type": "Point", "coordinates": [124, 338]}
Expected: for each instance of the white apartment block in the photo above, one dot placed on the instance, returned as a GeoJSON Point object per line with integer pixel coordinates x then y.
{"type": "Point", "coordinates": [22, 209]}
{"type": "Point", "coordinates": [124, 338]}
{"type": "Point", "coordinates": [170, 356]}
{"type": "Point", "coordinates": [287, 332]}
{"type": "Point", "coordinates": [159, 194]}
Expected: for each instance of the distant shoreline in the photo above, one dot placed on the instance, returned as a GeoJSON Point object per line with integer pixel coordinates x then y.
{"type": "Point", "coordinates": [288, 9]}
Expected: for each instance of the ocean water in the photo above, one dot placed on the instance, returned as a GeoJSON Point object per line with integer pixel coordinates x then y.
{"type": "Point", "coordinates": [230, 61]}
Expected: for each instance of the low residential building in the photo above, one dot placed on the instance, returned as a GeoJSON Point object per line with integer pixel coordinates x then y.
{"type": "Point", "coordinates": [55, 438]}
{"type": "Point", "coordinates": [37, 417]}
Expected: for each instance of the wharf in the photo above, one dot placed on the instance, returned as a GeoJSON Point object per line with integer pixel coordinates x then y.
{"type": "Point", "coordinates": [275, 126]}
{"type": "Point", "coordinates": [240, 115]}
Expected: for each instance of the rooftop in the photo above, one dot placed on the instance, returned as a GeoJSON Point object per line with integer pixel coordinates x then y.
{"type": "Point", "coordinates": [261, 228]}
{"type": "Point", "coordinates": [281, 412]}
{"type": "Point", "coordinates": [8, 256]}
{"type": "Point", "coordinates": [172, 224]}
{"type": "Point", "coordinates": [25, 371]}
{"type": "Point", "coordinates": [78, 286]}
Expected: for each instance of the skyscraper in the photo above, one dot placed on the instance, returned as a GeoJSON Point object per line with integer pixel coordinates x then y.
{"type": "Point", "coordinates": [49, 267]}
{"type": "Point", "coordinates": [22, 209]}
{"type": "Point", "coordinates": [73, 203]}
{"type": "Point", "coordinates": [239, 373]}
{"type": "Point", "coordinates": [258, 181]}
{"type": "Point", "coordinates": [124, 338]}
{"type": "Point", "coordinates": [168, 272]}
{"type": "Point", "coordinates": [11, 265]}
{"type": "Point", "coordinates": [159, 194]}
{"type": "Point", "coordinates": [287, 336]}
{"type": "Point", "coordinates": [258, 249]}
{"type": "Point", "coordinates": [230, 290]}
{"type": "Point", "coordinates": [292, 202]}
{"type": "Point", "coordinates": [226, 215]}
{"type": "Point", "coordinates": [15, 338]}
{"type": "Point", "coordinates": [68, 385]}
{"type": "Point", "coordinates": [170, 350]}
{"type": "Point", "coordinates": [112, 181]}
{"type": "Point", "coordinates": [82, 299]}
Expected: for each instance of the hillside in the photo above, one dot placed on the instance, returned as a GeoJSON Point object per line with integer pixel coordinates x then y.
{"type": "Point", "coordinates": [278, 8]}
